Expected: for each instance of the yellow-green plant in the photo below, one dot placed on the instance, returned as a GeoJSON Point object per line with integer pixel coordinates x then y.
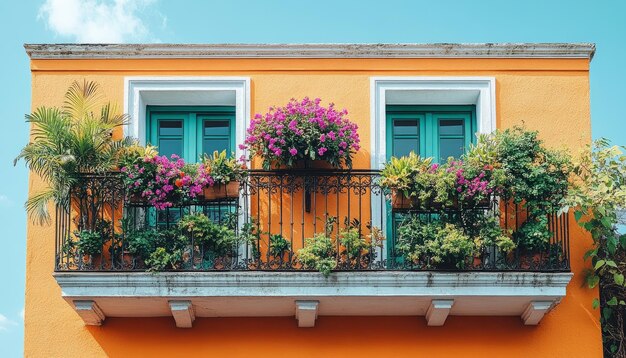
{"type": "Point", "coordinates": [435, 244]}
{"type": "Point", "coordinates": [399, 173]}
{"type": "Point", "coordinates": [131, 154]}
{"type": "Point", "coordinates": [319, 253]}
{"type": "Point", "coordinates": [224, 169]}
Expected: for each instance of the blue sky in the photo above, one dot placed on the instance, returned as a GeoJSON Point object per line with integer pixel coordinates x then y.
{"type": "Point", "coordinates": [291, 21]}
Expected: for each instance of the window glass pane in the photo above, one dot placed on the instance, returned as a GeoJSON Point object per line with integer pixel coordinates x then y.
{"type": "Point", "coordinates": [168, 146]}
{"type": "Point", "coordinates": [450, 147]}
{"type": "Point", "coordinates": [216, 128]}
{"type": "Point", "coordinates": [405, 127]}
{"type": "Point", "coordinates": [450, 127]}
{"type": "Point", "coordinates": [404, 146]}
{"type": "Point", "coordinates": [171, 127]}
{"type": "Point", "coordinates": [209, 145]}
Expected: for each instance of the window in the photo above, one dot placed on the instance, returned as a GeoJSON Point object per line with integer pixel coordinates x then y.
{"type": "Point", "coordinates": [190, 132]}
{"type": "Point", "coordinates": [430, 131]}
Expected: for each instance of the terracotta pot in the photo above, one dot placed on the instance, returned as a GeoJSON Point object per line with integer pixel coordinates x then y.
{"type": "Point", "coordinates": [93, 261]}
{"type": "Point", "coordinates": [221, 191]}
{"type": "Point", "coordinates": [400, 201]}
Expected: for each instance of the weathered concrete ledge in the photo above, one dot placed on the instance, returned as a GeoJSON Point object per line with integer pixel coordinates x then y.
{"type": "Point", "coordinates": [406, 50]}
{"type": "Point", "coordinates": [435, 295]}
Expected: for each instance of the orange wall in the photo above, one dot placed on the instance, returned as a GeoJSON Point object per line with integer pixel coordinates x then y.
{"type": "Point", "coordinates": [551, 95]}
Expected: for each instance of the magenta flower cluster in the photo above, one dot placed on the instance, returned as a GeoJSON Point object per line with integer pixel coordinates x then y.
{"type": "Point", "coordinates": [471, 187]}
{"type": "Point", "coordinates": [163, 182]}
{"type": "Point", "coordinates": [303, 130]}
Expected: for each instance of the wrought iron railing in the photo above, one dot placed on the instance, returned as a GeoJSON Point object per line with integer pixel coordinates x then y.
{"type": "Point", "coordinates": [269, 221]}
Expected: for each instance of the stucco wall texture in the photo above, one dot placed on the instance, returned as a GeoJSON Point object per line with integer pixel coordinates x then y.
{"type": "Point", "coordinates": [550, 95]}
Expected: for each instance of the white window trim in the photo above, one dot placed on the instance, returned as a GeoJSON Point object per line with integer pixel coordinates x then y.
{"type": "Point", "coordinates": [182, 90]}
{"type": "Point", "coordinates": [478, 91]}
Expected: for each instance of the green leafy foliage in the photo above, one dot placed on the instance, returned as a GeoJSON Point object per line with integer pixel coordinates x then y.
{"type": "Point", "coordinates": [319, 253]}
{"type": "Point", "coordinates": [212, 237]}
{"type": "Point", "coordinates": [279, 245]}
{"type": "Point", "coordinates": [434, 244]}
{"type": "Point", "coordinates": [76, 138]}
{"type": "Point", "coordinates": [599, 195]}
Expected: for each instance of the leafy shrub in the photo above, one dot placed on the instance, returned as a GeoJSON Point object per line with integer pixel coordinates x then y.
{"type": "Point", "coordinates": [210, 236]}
{"type": "Point", "coordinates": [434, 244]}
{"type": "Point", "coordinates": [319, 253]}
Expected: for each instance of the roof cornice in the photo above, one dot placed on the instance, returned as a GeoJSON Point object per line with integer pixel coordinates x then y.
{"type": "Point", "coordinates": [440, 50]}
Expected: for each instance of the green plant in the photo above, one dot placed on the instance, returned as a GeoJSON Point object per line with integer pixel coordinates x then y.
{"type": "Point", "coordinates": [399, 174]}
{"type": "Point", "coordinates": [490, 233]}
{"type": "Point", "coordinates": [249, 236]}
{"type": "Point", "coordinates": [598, 195]}
{"type": "Point", "coordinates": [434, 244]}
{"type": "Point", "coordinates": [319, 253]}
{"type": "Point", "coordinates": [89, 242]}
{"type": "Point", "coordinates": [212, 237]}
{"type": "Point", "coordinates": [529, 174]}
{"type": "Point", "coordinates": [161, 259]}
{"type": "Point", "coordinates": [142, 242]}
{"type": "Point", "coordinates": [224, 169]}
{"type": "Point", "coordinates": [92, 241]}
{"type": "Point", "coordinates": [278, 245]}
{"type": "Point", "coordinates": [134, 153]}
{"type": "Point", "coordinates": [76, 138]}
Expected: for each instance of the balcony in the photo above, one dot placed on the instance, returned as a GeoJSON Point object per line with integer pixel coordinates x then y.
{"type": "Point", "coordinates": [252, 264]}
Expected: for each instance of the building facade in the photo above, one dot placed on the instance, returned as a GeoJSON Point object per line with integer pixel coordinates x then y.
{"type": "Point", "coordinates": [431, 99]}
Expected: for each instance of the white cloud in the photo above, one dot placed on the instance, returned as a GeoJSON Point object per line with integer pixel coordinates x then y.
{"type": "Point", "coordinates": [98, 21]}
{"type": "Point", "coordinates": [22, 314]}
{"type": "Point", "coordinates": [5, 323]}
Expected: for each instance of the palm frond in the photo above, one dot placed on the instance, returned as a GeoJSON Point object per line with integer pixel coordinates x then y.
{"type": "Point", "coordinates": [37, 206]}
{"type": "Point", "coordinates": [81, 99]}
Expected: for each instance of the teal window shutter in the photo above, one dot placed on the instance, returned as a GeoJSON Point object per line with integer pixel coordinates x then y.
{"type": "Point", "coordinates": [430, 131]}
{"type": "Point", "coordinates": [191, 131]}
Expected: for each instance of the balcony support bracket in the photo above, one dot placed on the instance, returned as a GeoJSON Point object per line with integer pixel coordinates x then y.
{"type": "Point", "coordinates": [90, 312]}
{"type": "Point", "coordinates": [183, 313]}
{"type": "Point", "coordinates": [438, 312]}
{"type": "Point", "coordinates": [306, 313]}
{"type": "Point", "coordinates": [535, 311]}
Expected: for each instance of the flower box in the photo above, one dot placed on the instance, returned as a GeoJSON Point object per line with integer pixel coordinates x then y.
{"type": "Point", "coordinates": [401, 201]}
{"type": "Point", "coordinates": [221, 191]}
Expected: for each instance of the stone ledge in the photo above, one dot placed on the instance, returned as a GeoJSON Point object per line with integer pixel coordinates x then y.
{"type": "Point", "coordinates": [406, 50]}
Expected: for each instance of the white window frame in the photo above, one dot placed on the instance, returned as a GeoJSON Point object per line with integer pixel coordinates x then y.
{"type": "Point", "coordinates": [452, 90]}
{"type": "Point", "coordinates": [143, 91]}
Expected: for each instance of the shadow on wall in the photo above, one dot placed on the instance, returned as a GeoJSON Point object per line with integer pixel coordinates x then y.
{"type": "Point", "coordinates": [332, 336]}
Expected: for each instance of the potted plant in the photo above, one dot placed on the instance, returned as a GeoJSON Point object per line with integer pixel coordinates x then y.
{"type": "Point", "coordinates": [165, 182]}
{"type": "Point", "coordinates": [303, 132]}
{"type": "Point", "coordinates": [398, 178]}
{"type": "Point", "coordinates": [226, 173]}
{"type": "Point", "coordinates": [279, 248]}
{"type": "Point", "coordinates": [213, 242]}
